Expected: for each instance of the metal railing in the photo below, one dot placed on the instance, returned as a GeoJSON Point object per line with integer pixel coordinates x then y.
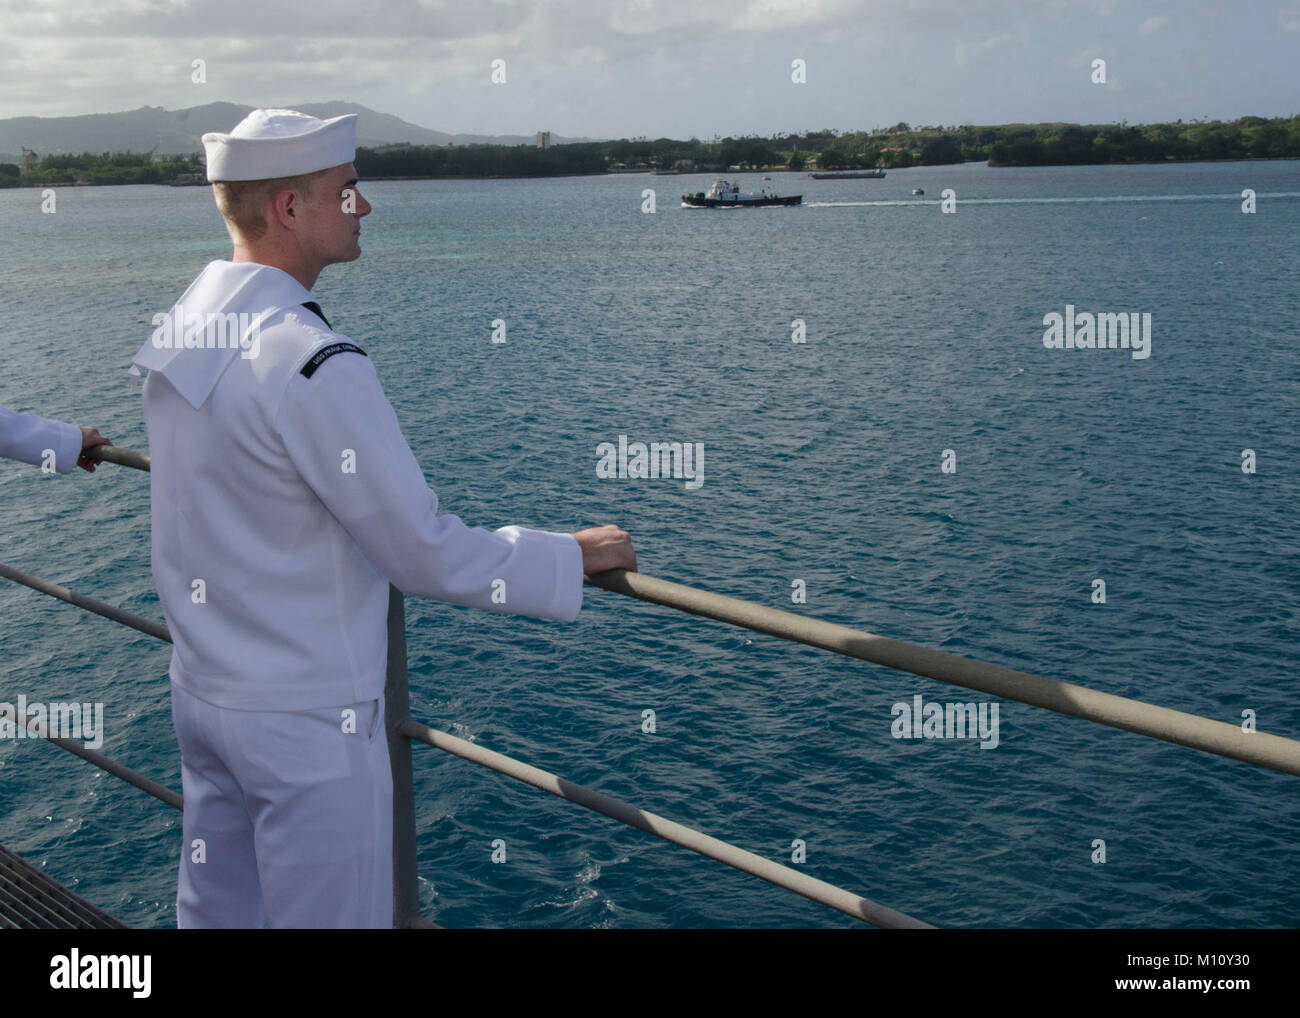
{"type": "Point", "coordinates": [1217, 737]}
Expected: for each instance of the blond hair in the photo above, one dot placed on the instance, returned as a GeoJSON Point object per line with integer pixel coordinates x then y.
{"type": "Point", "coordinates": [243, 202]}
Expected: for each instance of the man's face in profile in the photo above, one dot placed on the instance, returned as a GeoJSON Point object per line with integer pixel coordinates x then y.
{"type": "Point", "coordinates": [330, 225]}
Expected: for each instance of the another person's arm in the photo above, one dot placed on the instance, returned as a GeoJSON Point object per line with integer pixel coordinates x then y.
{"type": "Point", "coordinates": [26, 437]}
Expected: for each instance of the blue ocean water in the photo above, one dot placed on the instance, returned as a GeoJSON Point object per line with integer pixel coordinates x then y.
{"type": "Point", "coordinates": [924, 334]}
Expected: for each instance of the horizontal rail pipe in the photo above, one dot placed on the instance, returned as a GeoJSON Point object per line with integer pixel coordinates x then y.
{"type": "Point", "coordinates": [35, 731]}
{"type": "Point", "coordinates": [116, 454]}
{"type": "Point", "coordinates": [809, 887]}
{"type": "Point", "coordinates": [1264, 750]}
{"type": "Point", "coordinates": [90, 604]}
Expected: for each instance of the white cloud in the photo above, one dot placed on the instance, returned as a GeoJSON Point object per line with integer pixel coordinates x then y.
{"type": "Point", "coordinates": [77, 56]}
{"type": "Point", "coordinates": [428, 60]}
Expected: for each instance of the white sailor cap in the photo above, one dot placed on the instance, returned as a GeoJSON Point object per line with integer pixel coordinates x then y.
{"type": "Point", "coordinates": [280, 143]}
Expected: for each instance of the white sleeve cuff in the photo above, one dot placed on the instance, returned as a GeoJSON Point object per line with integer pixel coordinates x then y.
{"type": "Point", "coordinates": [69, 448]}
{"type": "Point", "coordinates": [568, 576]}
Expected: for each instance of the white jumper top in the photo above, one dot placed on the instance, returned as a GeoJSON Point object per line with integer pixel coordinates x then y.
{"type": "Point", "coordinates": [281, 480]}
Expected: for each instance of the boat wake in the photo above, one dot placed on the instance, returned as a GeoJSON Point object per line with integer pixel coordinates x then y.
{"type": "Point", "coordinates": [1105, 199]}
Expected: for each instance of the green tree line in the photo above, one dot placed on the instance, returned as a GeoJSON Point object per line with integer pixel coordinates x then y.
{"type": "Point", "coordinates": [102, 168]}
{"type": "Point", "coordinates": [1065, 144]}
{"type": "Point", "coordinates": [890, 147]}
{"type": "Point", "coordinates": [479, 160]}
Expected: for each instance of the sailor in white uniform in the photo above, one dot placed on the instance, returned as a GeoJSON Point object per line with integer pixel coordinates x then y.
{"type": "Point", "coordinates": [284, 502]}
{"type": "Point", "coordinates": [36, 440]}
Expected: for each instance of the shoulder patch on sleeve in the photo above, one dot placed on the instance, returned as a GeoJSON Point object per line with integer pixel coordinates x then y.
{"type": "Point", "coordinates": [325, 353]}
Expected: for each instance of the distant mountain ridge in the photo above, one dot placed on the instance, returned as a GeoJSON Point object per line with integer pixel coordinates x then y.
{"type": "Point", "coordinates": [179, 132]}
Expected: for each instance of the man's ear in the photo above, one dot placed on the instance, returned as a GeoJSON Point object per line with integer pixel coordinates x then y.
{"type": "Point", "coordinates": [283, 207]}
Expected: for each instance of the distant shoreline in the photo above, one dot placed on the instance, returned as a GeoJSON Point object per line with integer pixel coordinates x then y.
{"type": "Point", "coordinates": [38, 185]}
{"type": "Point", "coordinates": [891, 148]}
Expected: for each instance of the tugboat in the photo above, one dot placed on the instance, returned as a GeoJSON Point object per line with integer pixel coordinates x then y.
{"type": "Point", "coordinates": [726, 195]}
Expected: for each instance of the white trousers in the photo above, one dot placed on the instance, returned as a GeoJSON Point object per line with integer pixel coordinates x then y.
{"type": "Point", "coordinates": [288, 819]}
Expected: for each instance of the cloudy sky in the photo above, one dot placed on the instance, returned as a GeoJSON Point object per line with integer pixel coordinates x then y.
{"type": "Point", "coordinates": [672, 68]}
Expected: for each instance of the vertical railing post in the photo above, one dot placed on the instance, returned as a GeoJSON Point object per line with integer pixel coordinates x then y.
{"type": "Point", "coordinates": [397, 708]}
